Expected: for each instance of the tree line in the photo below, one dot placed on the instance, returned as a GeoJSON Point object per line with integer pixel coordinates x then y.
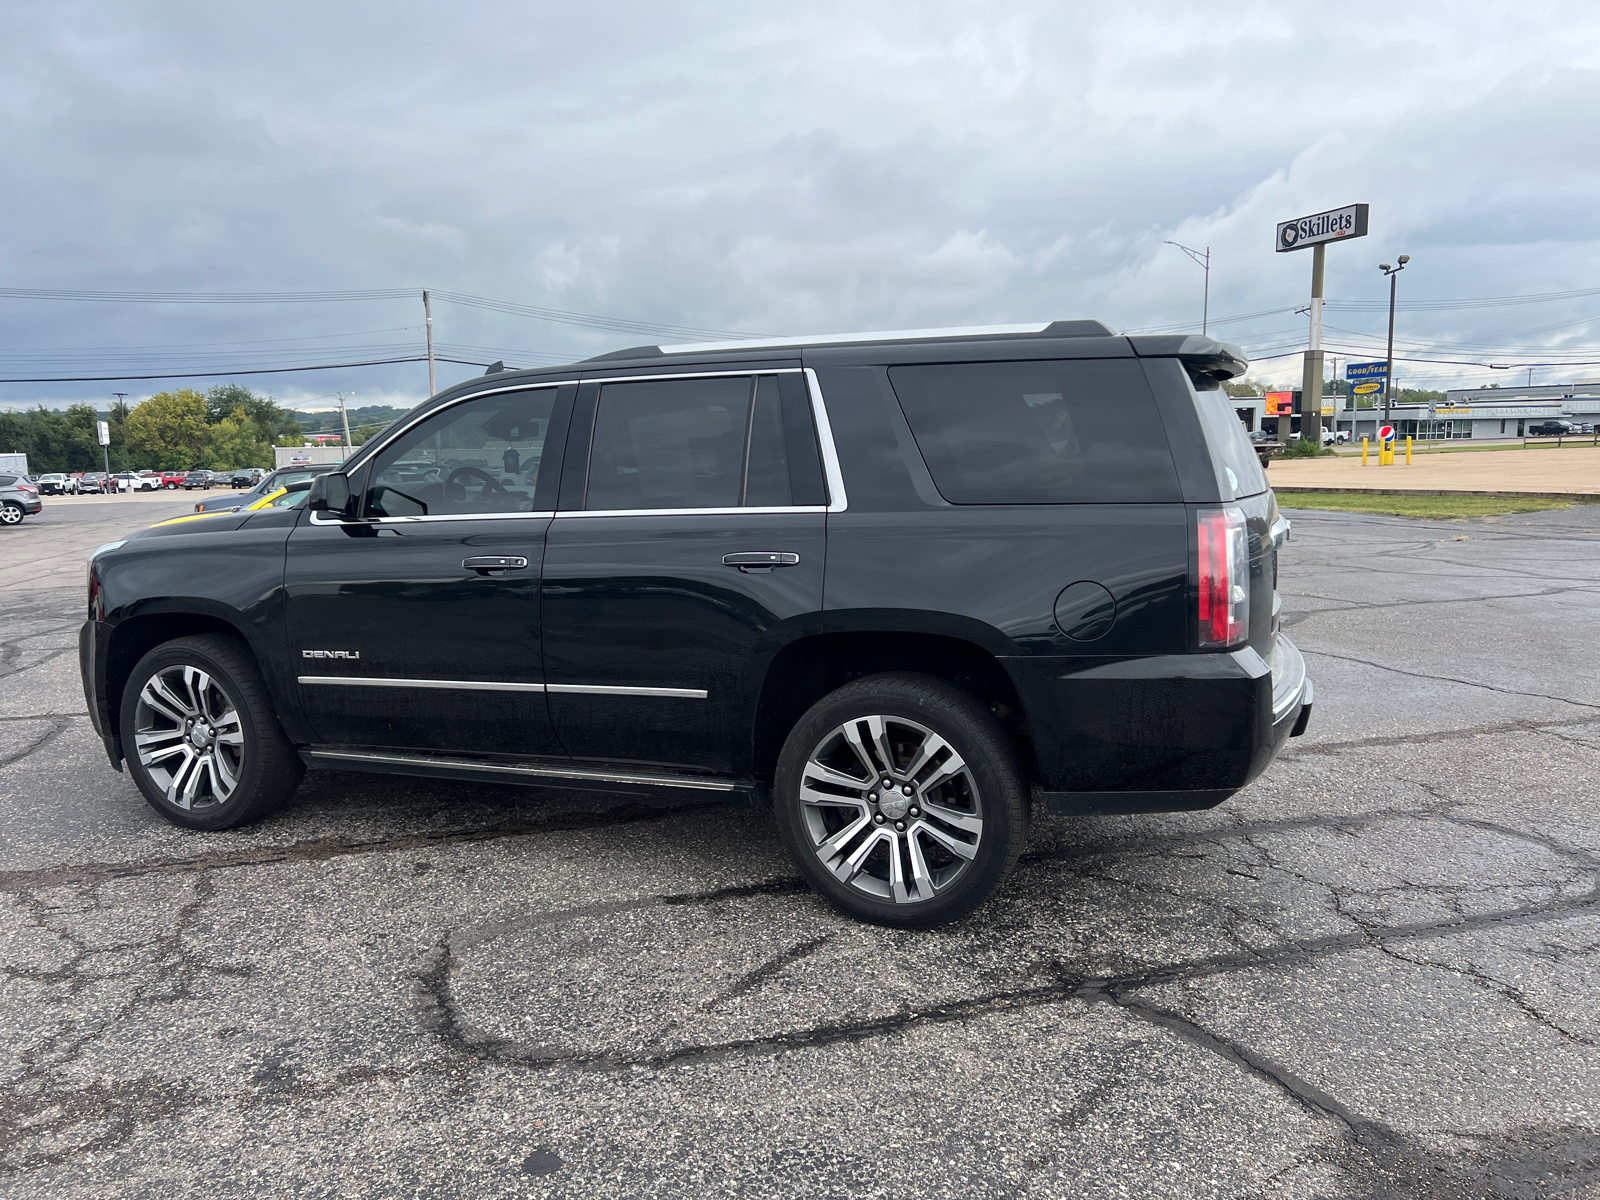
{"type": "Point", "coordinates": [223, 428]}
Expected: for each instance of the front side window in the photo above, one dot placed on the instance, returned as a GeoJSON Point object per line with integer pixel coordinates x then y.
{"type": "Point", "coordinates": [694, 443]}
{"type": "Point", "coordinates": [475, 458]}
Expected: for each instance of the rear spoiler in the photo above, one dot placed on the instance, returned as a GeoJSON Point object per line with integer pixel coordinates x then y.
{"type": "Point", "coordinates": [1208, 361]}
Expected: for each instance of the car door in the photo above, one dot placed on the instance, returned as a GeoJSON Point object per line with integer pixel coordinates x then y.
{"type": "Point", "coordinates": [417, 625]}
{"type": "Point", "coordinates": [688, 548]}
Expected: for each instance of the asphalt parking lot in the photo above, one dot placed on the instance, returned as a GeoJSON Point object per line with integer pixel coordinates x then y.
{"type": "Point", "coordinates": [1373, 973]}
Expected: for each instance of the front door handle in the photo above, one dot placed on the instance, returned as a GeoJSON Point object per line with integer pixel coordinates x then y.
{"type": "Point", "coordinates": [759, 560]}
{"type": "Point", "coordinates": [494, 564]}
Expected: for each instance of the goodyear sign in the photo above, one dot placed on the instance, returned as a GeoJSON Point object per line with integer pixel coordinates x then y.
{"type": "Point", "coordinates": [1331, 226]}
{"type": "Point", "coordinates": [1367, 380]}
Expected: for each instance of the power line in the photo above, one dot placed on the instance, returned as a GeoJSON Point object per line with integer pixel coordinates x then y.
{"type": "Point", "coordinates": [587, 320]}
{"type": "Point", "coordinates": [375, 362]}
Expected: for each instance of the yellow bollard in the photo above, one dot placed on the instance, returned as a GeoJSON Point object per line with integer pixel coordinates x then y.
{"type": "Point", "coordinates": [1363, 452]}
{"type": "Point", "coordinates": [1408, 450]}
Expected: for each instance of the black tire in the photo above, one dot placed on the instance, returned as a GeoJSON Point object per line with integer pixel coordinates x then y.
{"type": "Point", "coordinates": [992, 791]}
{"type": "Point", "coordinates": [11, 514]}
{"type": "Point", "coordinates": [265, 768]}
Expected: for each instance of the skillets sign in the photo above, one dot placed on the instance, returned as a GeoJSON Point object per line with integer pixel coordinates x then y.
{"type": "Point", "coordinates": [1331, 226]}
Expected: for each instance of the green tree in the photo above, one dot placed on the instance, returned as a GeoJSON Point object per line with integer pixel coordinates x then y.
{"type": "Point", "coordinates": [236, 442]}
{"type": "Point", "coordinates": [270, 419]}
{"type": "Point", "coordinates": [170, 427]}
{"type": "Point", "coordinates": [1242, 387]}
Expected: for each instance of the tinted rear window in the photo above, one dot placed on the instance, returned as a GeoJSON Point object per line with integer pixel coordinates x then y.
{"type": "Point", "coordinates": [1073, 432]}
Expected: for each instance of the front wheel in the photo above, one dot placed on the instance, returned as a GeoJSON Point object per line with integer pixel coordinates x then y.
{"type": "Point", "coordinates": [900, 799]}
{"type": "Point", "coordinates": [201, 739]}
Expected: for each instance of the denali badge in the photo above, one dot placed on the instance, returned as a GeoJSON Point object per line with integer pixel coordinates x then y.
{"type": "Point", "coordinates": [330, 654]}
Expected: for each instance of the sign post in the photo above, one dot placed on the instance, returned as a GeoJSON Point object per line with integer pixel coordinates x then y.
{"type": "Point", "coordinates": [1317, 231]}
{"type": "Point", "coordinates": [1367, 381]}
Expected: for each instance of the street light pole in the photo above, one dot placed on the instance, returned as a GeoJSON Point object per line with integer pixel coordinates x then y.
{"type": "Point", "coordinates": [122, 411]}
{"type": "Point", "coordinates": [1388, 377]}
{"type": "Point", "coordinates": [1203, 259]}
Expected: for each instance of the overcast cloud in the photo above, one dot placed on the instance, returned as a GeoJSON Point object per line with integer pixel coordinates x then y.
{"type": "Point", "coordinates": [783, 169]}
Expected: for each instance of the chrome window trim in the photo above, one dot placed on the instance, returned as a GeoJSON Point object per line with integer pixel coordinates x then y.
{"type": "Point", "coordinates": [476, 685]}
{"type": "Point", "coordinates": [838, 501]}
{"type": "Point", "coordinates": [569, 513]}
{"type": "Point", "coordinates": [605, 379]}
{"type": "Point", "coordinates": [516, 516]}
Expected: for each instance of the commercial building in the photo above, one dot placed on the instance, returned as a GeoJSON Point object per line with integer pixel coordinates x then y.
{"type": "Point", "coordinates": [1487, 412]}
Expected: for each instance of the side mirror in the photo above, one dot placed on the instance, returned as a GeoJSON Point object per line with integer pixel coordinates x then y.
{"type": "Point", "coordinates": [330, 493]}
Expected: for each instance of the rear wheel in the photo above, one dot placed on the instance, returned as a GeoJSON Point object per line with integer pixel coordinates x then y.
{"type": "Point", "coordinates": [900, 799]}
{"type": "Point", "coordinates": [10, 514]}
{"type": "Point", "coordinates": [201, 740]}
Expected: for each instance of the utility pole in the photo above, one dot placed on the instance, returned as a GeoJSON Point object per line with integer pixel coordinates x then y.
{"type": "Point", "coordinates": [122, 411]}
{"type": "Point", "coordinates": [427, 319]}
{"type": "Point", "coordinates": [1388, 378]}
{"type": "Point", "coordinates": [1311, 377]}
{"type": "Point", "coordinates": [344, 417]}
{"type": "Point", "coordinates": [1204, 261]}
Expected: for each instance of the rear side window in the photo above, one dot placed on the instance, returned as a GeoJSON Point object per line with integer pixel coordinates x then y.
{"type": "Point", "coordinates": [7, 480]}
{"type": "Point", "coordinates": [1062, 432]}
{"type": "Point", "coordinates": [713, 442]}
{"type": "Point", "coordinates": [1239, 471]}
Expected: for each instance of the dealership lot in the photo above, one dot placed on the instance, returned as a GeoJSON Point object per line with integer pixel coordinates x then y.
{"type": "Point", "coordinates": [1372, 973]}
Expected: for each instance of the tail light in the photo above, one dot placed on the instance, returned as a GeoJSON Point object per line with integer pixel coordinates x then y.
{"type": "Point", "coordinates": [1224, 599]}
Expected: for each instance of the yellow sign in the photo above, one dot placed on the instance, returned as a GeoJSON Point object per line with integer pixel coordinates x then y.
{"type": "Point", "coordinates": [1366, 389]}
{"type": "Point", "coordinates": [1327, 410]}
{"type": "Point", "coordinates": [1444, 412]}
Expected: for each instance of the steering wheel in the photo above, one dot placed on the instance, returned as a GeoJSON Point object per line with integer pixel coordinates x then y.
{"type": "Point", "coordinates": [491, 485]}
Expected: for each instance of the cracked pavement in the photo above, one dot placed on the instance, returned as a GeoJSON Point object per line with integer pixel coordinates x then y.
{"type": "Point", "coordinates": [1372, 973]}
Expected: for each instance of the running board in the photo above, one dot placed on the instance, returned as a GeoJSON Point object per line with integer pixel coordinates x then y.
{"type": "Point", "coordinates": [605, 779]}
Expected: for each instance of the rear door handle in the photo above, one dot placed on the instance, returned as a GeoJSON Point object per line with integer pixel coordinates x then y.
{"type": "Point", "coordinates": [492, 564]}
{"type": "Point", "coordinates": [759, 560]}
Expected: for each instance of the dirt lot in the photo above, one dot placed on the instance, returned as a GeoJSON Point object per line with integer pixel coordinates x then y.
{"type": "Point", "coordinates": [1371, 974]}
{"type": "Point", "coordinates": [1570, 469]}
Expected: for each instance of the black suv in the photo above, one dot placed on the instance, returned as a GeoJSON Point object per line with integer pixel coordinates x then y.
{"type": "Point", "coordinates": [905, 585]}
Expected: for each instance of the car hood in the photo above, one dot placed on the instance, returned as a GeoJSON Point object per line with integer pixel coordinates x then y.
{"type": "Point", "coordinates": [213, 503]}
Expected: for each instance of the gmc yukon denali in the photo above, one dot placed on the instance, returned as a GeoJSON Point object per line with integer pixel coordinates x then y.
{"type": "Point", "coordinates": [904, 586]}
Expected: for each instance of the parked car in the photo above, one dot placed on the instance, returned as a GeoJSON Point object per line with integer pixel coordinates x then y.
{"type": "Point", "coordinates": [173, 479]}
{"type": "Point", "coordinates": [282, 477]}
{"type": "Point", "coordinates": [1051, 566]}
{"type": "Point", "coordinates": [96, 482]}
{"type": "Point", "coordinates": [57, 484]}
{"type": "Point", "coordinates": [1552, 429]}
{"type": "Point", "coordinates": [246, 477]}
{"type": "Point", "coordinates": [1332, 437]}
{"type": "Point", "coordinates": [128, 481]}
{"type": "Point", "coordinates": [1266, 446]}
{"type": "Point", "coordinates": [19, 497]}
{"type": "Point", "coordinates": [197, 479]}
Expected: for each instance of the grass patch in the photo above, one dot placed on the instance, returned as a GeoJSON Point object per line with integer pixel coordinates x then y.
{"type": "Point", "coordinates": [1434, 507]}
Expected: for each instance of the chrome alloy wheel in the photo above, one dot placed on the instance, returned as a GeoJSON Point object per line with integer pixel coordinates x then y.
{"type": "Point", "coordinates": [189, 737]}
{"type": "Point", "coordinates": [891, 808]}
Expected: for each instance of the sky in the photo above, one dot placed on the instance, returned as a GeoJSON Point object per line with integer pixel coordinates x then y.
{"type": "Point", "coordinates": [781, 169]}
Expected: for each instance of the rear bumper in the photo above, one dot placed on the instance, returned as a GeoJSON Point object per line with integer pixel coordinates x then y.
{"type": "Point", "coordinates": [1160, 734]}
